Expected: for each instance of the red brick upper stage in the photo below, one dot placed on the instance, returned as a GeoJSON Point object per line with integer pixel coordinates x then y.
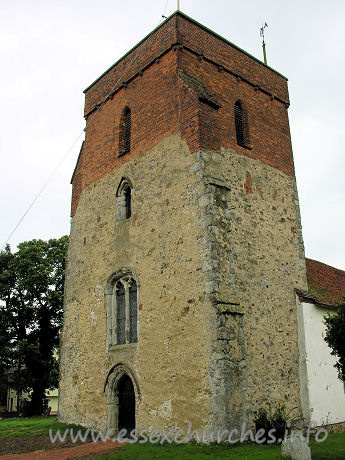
{"type": "Point", "coordinates": [326, 284]}
{"type": "Point", "coordinates": [178, 30]}
{"type": "Point", "coordinates": [183, 79]}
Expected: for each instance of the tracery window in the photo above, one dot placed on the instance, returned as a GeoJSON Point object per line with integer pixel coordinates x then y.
{"type": "Point", "coordinates": [122, 310]}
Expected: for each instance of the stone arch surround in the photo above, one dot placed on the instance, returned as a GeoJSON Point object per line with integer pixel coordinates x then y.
{"type": "Point", "coordinates": [111, 391]}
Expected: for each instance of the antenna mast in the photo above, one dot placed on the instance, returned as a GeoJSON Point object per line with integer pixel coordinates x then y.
{"type": "Point", "coordinates": [178, 5]}
{"type": "Point", "coordinates": [262, 34]}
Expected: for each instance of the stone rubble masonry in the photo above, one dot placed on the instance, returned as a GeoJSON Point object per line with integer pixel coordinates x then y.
{"type": "Point", "coordinates": [253, 251]}
{"type": "Point", "coordinates": [170, 361]}
{"type": "Point", "coordinates": [214, 239]}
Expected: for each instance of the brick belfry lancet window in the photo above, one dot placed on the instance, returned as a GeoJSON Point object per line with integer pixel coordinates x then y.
{"type": "Point", "coordinates": [122, 311]}
{"type": "Point", "coordinates": [241, 125]}
{"type": "Point", "coordinates": [125, 132]}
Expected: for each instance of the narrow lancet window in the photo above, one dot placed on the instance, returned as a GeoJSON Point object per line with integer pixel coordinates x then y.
{"type": "Point", "coordinates": [241, 125]}
{"type": "Point", "coordinates": [125, 132]}
{"type": "Point", "coordinates": [124, 200]}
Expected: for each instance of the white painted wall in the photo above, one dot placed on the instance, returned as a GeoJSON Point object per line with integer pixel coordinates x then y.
{"type": "Point", "coordinates": [12, 399]}
{"type": "Point", "coordinates": [52, 396]}
{"type": "Point", "coordinates": [322, 392]}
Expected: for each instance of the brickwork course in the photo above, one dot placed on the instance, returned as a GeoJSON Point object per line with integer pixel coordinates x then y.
{"type": "Point", "coordinates": [214, 240]}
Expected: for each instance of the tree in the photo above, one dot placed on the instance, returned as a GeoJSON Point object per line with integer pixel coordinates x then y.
{"type": "Point", "coordinates": [335, 333]}
{"type": "Point", "coordinates": [5, 355]}
{"type": "Point", "coordinates": [31, 301]}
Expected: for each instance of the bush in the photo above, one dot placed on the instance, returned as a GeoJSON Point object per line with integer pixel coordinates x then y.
{"type": "Point", "coordinates": [28, 410]}
{"type": "Point", "coordinates": [276, 419]}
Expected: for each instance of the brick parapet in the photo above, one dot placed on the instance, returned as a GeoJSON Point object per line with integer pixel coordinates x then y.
{"type": "Point", "coordinates": [219, 51]}
{"type": "Point", "coordinates": [179, 32]}
{"type": "Point", "coordinates": [144, 53]}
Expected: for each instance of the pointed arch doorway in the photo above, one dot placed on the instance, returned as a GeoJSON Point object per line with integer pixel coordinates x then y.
{"type": "Point", "coordinates": [122, 393]}
{"type": "Point", "coordinates": [126, 410]}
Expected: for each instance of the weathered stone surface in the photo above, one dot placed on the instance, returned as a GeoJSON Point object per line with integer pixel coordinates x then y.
{"type": "Point", "coordinates": [260, 262]}
{"type": "Point", "coordinates": [230, 308]}
{"type": "Point", "coordinates": [296, 448]}
{"type": "Point", "coordinates": [172, 354]}
{"type": "Point", "coordinates": [227, 299]}
{"type": "Point", "coordinates": [210, 363]}
{"type": "Point", "coordinates": [267, 259]}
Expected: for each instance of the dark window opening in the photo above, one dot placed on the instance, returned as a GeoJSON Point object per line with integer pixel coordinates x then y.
{"type": "Point", "coordinates": [128, 202]}
{"type": "Point", "coordinates": [121, 314]}
{"type": "Point", "coordinates": [125, 132]}
{"type": "Point", "coordinates": [241, 125]}
{"type": "Point", "coordinates": [133, 312]}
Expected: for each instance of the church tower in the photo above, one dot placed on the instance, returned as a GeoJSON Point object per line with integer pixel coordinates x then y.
{"type": "Point", "coordinates": [186, 247]}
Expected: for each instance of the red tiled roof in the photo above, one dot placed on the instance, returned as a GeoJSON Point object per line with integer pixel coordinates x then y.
{"type": "Point", "coordinates": [326, 284]}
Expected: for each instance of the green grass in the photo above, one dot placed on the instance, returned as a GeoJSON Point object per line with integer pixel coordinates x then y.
{"type": "Point", "coordinates": [331, 449]}
{"type": "Point", "coordinates": [195, 452]}
{"type": "Point", "coordinates": [14, 427]}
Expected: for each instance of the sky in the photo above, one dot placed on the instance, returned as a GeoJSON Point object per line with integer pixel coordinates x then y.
{"type": "Point", "coordinates": [51, 50]}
